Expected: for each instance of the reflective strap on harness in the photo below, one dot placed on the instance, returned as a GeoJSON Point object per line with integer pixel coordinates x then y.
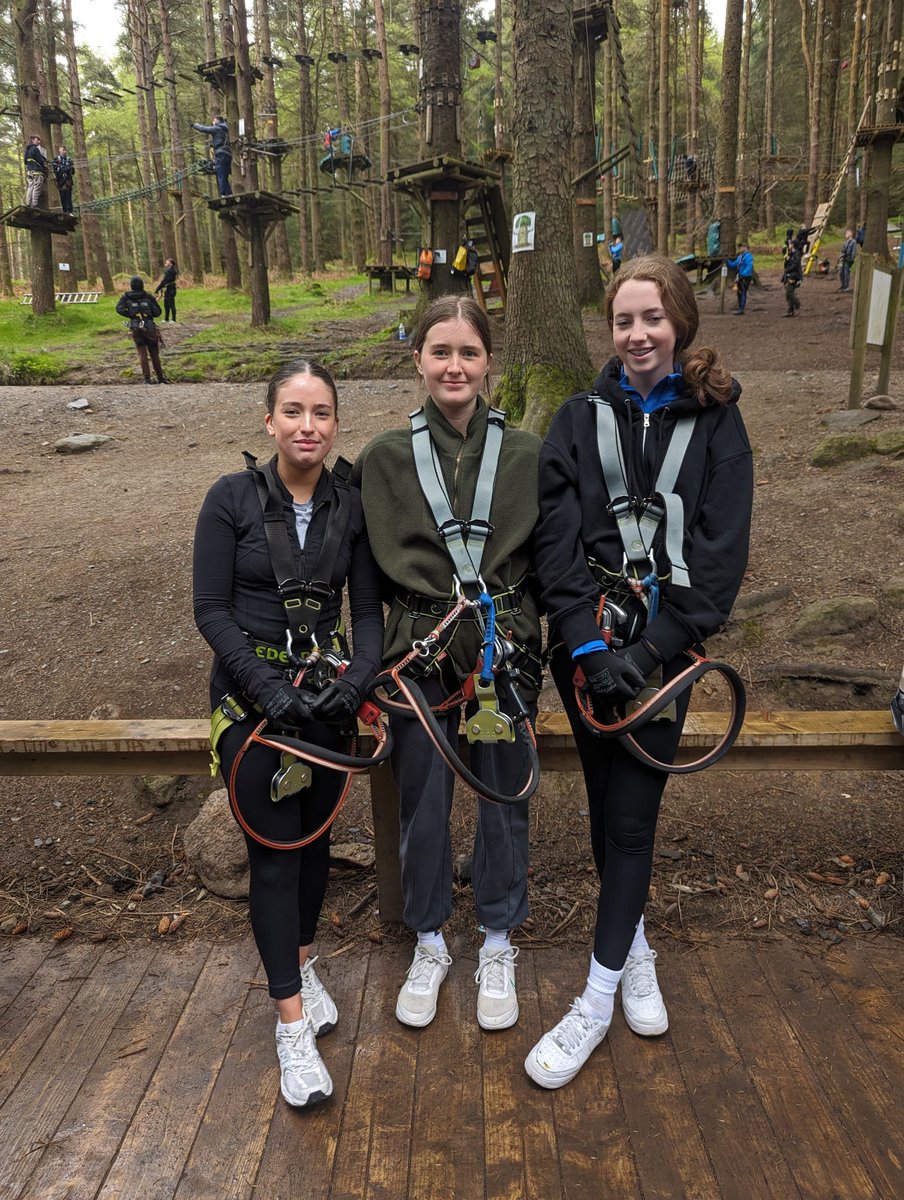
{"type": "Point", "coordinates": [637, 533]}
{"type": "Point", "coordinates": [464, 540]}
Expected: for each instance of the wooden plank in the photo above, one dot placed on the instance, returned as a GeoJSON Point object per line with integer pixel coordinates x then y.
{"type": "Point", "coordinates": [743, 1148]}
{"type": "Point", "coordinates": [166, 1122]}
{"type": "Point", "coordinates": [840, 1060]}
{"type": "Point", "coordinates": [35, 1108]}
{"type": "Point", "coordinates": [372, 1154]}
{"type": "Point", "coordinates": [446, 1147]}
{"type": "Point", "coordinates": [820, 1155]}
{"type": "Point", "coordinates": [874, 1008]}
{"type": "Point", "coordinates": [592, 1137]}
{"type": "Point", "coordinates": [518, 1132]}
{"type": "Point", "coordinates": [668, 1146]}
{"type": "Point", "coordinates": [87, 1139]}
{"type": "Point", "coordinates": [26, 1025]}
{"type": "Point", "coordinates": [19, 959]}
{"type": "Point", "coordinates": [300, 1146]}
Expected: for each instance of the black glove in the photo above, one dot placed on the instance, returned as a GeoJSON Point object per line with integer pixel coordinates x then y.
{"type": "Point", "coordinates": [289, 708]}
{"type": "Point", "coordinates": [337, 703]}
{"type": "Point", "coordinates": [615, 675]}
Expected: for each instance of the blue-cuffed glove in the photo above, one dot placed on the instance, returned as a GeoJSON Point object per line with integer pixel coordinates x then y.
{"type": "Point", "coordinates": [617, 675]}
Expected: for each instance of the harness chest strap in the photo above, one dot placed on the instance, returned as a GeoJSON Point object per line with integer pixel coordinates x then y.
{"type": "Point", "coordinates": [464, 540]}
{"type": "Point", "coordinates": [637, 533]}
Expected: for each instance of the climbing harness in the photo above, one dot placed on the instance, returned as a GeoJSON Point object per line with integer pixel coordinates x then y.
{"type": "Point", "coordinates": [464, 542]}
{"type": "Point", "coordinates": [311, 665]}
{"type": "Point", "coordinates": [639, 581]}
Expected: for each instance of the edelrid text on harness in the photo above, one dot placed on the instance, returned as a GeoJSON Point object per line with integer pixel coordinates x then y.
{"type": "Point", "coordinates": [465, 541]}
{"type": "Point", "coordinates": [638, 523]}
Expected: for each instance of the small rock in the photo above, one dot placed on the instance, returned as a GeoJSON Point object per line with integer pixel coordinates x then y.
{"type": "Point", "coordinates": [803, 925]}
{"type": "Point", "coordinates": [890, 442]}
{"type": "Point", "coordinates": [882, 402]}
{"type": "Point", "coordinates": [848, 419]}
{"type": "Point", "coordinates": [78, 405]}
{"type": "Point", "coordinates": [837, 614]}
{"type": "Point", "coordinates": [355, 854]}
{"type": "Point", "coordinates": [841, 448]}
{"type": "Point", "coordinates": [462, 867]}
{"type": "Point", "coordinates": [8, 925]}
{"type": "Point", "coordinates": [892, 589]}
{"type": "Point", "coordinates": [78, 443]}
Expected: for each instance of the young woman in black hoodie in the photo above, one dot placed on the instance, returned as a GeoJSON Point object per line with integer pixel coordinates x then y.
{"type": "Point", "coordinates": [655, 381]}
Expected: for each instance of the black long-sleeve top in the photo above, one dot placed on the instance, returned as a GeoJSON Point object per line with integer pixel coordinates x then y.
{"type": "Point", "coordinates": [235, 587]}
{"type": "Point", "coordinates": [168, 281]}
{"type": "Point", "coordinates": [715, 484]}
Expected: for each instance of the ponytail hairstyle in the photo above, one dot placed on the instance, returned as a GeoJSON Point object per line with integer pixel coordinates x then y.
{"type": "Point", "coordinates": [705, 374]}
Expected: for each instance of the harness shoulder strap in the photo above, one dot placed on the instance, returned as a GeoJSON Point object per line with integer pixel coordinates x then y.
{"type": "Point", "coordinates": [464, 540]}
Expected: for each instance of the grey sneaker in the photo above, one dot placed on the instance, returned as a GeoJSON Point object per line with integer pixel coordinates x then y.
{"type": "Point", "coordinates": [316, 1000]}
{"type": "Point", "coordinates": [497, 1000]}
{"type": "Point", "coordinates": [417, 1000]}
{"type": "Point", "coordinates": [641, 998]}
{"type": "Point", "coordinates": [303, 1078]}
{"type": "Point", "coordinates": [560, 1054]}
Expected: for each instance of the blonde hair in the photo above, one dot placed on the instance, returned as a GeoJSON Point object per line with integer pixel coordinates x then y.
{"type": "Point", "coordinates": [704, 372]}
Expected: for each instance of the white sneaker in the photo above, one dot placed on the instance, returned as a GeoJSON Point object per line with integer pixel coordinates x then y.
{"type": "Point", "coordinates": [497, 1001]}
{"type": "Point", "coordinates": [417, 1000]}
{"type": "Point", "coordinates": [316, 1000]}
{"type": "Point", "coordinates": [303, 1078]}
{"type": "Point", "coordinates": [560, 1054]}
{"type": "Point", "coordinates": [641, 998]}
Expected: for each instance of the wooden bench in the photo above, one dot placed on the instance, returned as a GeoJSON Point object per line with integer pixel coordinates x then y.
{"type": "Point", "coordinates": [769, 741]}
{"type": "Point", "coordinates": [69, 297]}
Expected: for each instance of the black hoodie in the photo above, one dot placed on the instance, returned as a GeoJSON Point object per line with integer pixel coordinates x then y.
{"type": "Point", "coordinates": [715, 484]}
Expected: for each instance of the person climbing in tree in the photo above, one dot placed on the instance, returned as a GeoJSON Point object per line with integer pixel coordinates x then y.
{"type": "Point", "coordinates": [140, 308]}
{"type": "Point", "coordinates": [64, 173]}
{"type": "Point", "coordinates": [168, 286]}
{"type": "Point", "coordinates": [222, 151]}
{"type": "Point", "coordinates": [35, 172]}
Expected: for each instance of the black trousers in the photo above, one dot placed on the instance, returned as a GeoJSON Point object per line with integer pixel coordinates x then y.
{"type": "Point", "coordinates": [287, 886]}
{"type": "Point", "coordinates": [148, 346]}
{"type": "Point", "coordinates": [169, 304]}
{"type": "Point", "coordinates": [623, 799]}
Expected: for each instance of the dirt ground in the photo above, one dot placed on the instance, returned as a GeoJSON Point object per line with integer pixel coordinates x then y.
{"type": "Point", "coordinates": [96, 558]}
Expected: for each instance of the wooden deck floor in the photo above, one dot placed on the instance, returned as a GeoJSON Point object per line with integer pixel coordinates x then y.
{"type": "Point", "coordinates": [140, 1072]}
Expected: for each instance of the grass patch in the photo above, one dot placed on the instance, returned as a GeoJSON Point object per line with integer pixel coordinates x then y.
{"type": "Point", "coordinates": [29, 367]}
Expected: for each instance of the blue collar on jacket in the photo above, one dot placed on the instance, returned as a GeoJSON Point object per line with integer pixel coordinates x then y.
{"type": "Point", "coordinates": [664, 392]}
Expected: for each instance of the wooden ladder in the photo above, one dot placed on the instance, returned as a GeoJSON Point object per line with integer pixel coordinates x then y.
{"type": "Point", "coordinates": [487, 226]}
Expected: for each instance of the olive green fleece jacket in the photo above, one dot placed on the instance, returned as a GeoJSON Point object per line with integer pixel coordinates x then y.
{"type": "Point", "coordinates": [410, 552]}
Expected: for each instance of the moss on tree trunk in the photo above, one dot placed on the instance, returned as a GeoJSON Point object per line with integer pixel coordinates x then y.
{"type": "Point", "coordinates": [532, 394]}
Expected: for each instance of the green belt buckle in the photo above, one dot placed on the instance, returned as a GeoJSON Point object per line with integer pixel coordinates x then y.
{"type": "Point", "coordinates": [293, 776]}
{"type": "Point", "coordinates": [488, 724]}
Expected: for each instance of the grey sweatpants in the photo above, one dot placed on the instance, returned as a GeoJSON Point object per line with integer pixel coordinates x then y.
{"type": "Point", "coordinates": [426, 784]}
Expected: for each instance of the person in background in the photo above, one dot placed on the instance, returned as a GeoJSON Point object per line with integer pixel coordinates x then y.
{"type": "Point", "coordinates": [167, 285]}
{"type": "Point", "coordinates": [141, 309]}
{"type": "Point", "coordinates": [64, 173]}
{"type": "Point", "coordinates": [743, 264]}
{"type": "Point", "coordinates": [792, 278]}
{"type": "Point", "coordinates": [240, 611]}
{"type": "Point", "coordinates": [616, 252]}
{"type": "Point", "coordinates": [846, 262]}
{"type": "Point", "coordinates": [626, 638]}
{"type": "Point", "coordinates": [35, 172]}
{"type": "Point", "coordinates": [222, 151]}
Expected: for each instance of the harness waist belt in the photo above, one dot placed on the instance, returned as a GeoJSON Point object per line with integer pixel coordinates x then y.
{"type": "Point", "coordinates": [417, 605]}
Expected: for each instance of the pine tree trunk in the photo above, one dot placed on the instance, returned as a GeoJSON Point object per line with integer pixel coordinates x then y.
{"type": "Point", "coordinates": [545, 354]}
{"type": "Point", "coordinates": [185, 204]}
{"type": "Point", "coordinates": [351, 205]}
{"type": "Point", "coordinates": [96, 262]}
{"type": "Point", "coordinates": [767, 210]}
{"type": "Point", "coordinates": [878, 186]}
{"type": "Point", "coordinates": [6, 272]}
{"type": "Point", "coordinates": [608, 137]}
{"type": "Point", "coordinates": [743, 108]}
{"type": "Point", "coordinates": [144, 57]}
{"type": "Point", "coordinates": [727, 145]}
{"type": "Point", "coordinates": [386, 224]}
{"type": "Point", "coordinates": [853, 111]}
{"type": "Point", "coordinates": [439, 37]}
{"type": "Point", "coordinates": [24, 19]}
{"type": "Point", "coordinates": [270, 129]}
{"type": "Point", "coordinates": [664, 151]}
{"type": "Point", "coordinates": [231, 259]}
{"type": "Point", "coordinates": [815, 112]}
{"type": "Point", "coordinates": [589, 280]}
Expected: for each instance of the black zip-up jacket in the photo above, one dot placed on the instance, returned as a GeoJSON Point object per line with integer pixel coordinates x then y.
{"type": "Point", "coordinates": [168, 281]}
{"type": "Point", "coordinates": [138, 305]}
{"type": "Point", "coordinates": [36, 160]}
{"type": "Point", "coordinates": [715, 484]}
{"type": "Point", "coordinates": [235, 587]}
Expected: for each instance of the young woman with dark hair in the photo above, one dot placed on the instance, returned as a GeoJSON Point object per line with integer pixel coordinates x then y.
{"type": "Point", "coordinates": [659, 387]}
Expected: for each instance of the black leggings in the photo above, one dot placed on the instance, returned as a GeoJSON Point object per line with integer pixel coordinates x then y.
{"type": "Point", "coordinates": [287, 886]}
{"type": "Point", "coordinates": [623, 798]}
{"type": "Point", "coordinates": [169, 305]}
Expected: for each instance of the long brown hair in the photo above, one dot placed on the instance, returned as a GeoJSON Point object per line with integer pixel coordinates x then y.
{"type": "Point", "coordinates": [704, 372]}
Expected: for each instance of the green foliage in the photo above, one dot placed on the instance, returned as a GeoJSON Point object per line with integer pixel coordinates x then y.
{"type": "Point", "coordinates": [532, 395]}
{"type": "Point", "coordinates": [18, 367]}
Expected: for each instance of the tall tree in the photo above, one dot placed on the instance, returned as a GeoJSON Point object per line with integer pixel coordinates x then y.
{"type": "Point", "coordinates": [851, 116]}
{"type": "Point", "coordinates": [767, 210]}
{"type": "Point", "coordinates": [271, 129]}
{"type": "Point", "coordinates": [743, 108]}
{"type": "Point", "coordinates": [96, 261]}
{"type": "Point", "coordinates": [439, 101]}
{"type": "Point", "coordinates": [185, 203]}
{"type": "Point", "coordinates": [814, 101]}
{"type": "Point", "coordinates": [662, 182]}
{"type": "Point", "coordinates": [545, 354]}
{"type": "Point", "coordinates": [24, 19]}
{"type": "Point", "coordinates": [6, 273]}
{"type": "Point", "coordinates": [727, 145]}
{"type": "Point", "coordinates": [312, 255]}
{"type": "Point", "coordinates": [386, 226]}
{"type": "Point", "coordinates": [887, 93]}
{"type": "Point", "coordinates": [351, 208]}
{"type": "Point", "coordinates": [589, 281]}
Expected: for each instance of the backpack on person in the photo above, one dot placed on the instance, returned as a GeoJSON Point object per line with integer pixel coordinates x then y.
{"type": "Point", "coordinates": [141, 318]}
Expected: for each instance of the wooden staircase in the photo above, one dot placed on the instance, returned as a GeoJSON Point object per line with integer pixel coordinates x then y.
{"type": "Point", "coordinates": [487, 226]}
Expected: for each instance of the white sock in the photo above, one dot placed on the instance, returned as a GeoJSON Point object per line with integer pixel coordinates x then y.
{"type": "Point", "coordinates": [640, 939]}
{"type": "Point", "coordinates": [434, 938]}
{"type": "Point", "coordinates": [599, 994]}
{"type": "Point", "coordinates": [289, 1027]}
{"type": "Point", "coordinates": [496, 940]}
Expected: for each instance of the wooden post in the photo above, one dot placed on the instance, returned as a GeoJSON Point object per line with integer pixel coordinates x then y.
{"type": "Point", "coordinates": [862, 288]}
{"type": "Point", "coordinates": [894, 304]}
{"type": "Point", "coordinates": [260, 285]}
